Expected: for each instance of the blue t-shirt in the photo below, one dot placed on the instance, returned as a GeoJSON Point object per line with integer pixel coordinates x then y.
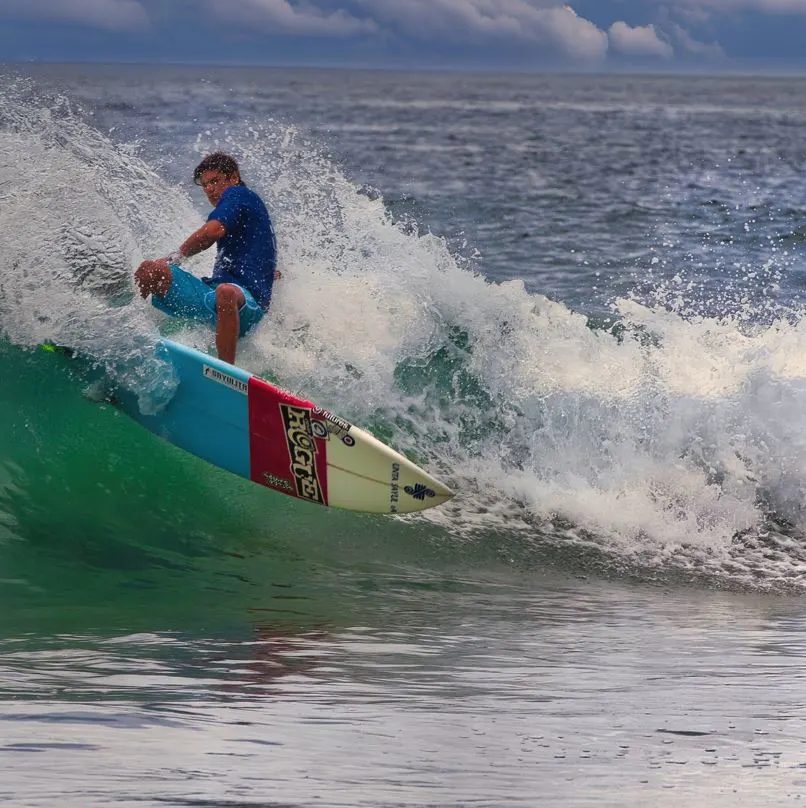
{"type": "Point", "coordinates": [247, 253]}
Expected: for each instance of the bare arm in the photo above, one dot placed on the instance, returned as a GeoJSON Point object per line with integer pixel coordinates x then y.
{"type": "Point", "coordinates": [155, 277]}
{"type": "Point", "coordinates": [207, 235]}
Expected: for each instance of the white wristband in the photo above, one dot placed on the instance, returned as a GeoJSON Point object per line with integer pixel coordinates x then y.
{"type": "Point", "coordinates": [175, 257]}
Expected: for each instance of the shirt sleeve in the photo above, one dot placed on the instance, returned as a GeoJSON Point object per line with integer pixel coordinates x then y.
{"type": "Point", "coordinates": [227, 210]}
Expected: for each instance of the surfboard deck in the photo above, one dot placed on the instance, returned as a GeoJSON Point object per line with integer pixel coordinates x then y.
{"type": "Point", "coordinates": [248, 426]}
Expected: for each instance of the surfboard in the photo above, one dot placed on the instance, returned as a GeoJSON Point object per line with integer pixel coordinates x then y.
{"type": "Point", "coordinates": [248, 426]}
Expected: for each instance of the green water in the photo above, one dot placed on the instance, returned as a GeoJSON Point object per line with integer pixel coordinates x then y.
{"type": "Point", "coordinates": [104, 526]}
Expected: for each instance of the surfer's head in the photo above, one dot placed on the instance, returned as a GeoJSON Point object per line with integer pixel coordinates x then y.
{"type": "Point", "coordinates": [216, 173]}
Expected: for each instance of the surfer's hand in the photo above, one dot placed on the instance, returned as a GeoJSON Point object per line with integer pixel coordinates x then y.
{"type": "Point", "coordinates": [153, 277]}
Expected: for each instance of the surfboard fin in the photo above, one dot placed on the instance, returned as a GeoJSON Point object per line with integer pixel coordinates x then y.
{"type": "Point", "coordinates": [62, 350]}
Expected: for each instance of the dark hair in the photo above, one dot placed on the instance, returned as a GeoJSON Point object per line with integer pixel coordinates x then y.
{"type": "Point", "coordinates": [217, 161]}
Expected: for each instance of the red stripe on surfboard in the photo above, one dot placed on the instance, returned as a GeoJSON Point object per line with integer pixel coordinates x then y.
{"type": "Point", "coordinates": [284, 452]}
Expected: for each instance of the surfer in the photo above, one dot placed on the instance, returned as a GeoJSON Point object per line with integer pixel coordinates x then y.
{"type": "Point", "coordinates": [238, 294]}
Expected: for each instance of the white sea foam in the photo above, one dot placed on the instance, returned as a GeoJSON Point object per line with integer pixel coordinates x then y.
{"type": "Point", "coordinates": [671, 444]}
{"type": "Point", "coordinates": [668, 445]}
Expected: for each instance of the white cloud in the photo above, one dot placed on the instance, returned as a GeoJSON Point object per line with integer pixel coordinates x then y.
{"type": "Point", "coordinates": [764, 6]}
{"type": "Point", "coordinates": [546, 22]}
{"type": "Point", "coordinates": [577, 36]}
{"type": "Point", "coordinates": [111, 15]}
{"type": "Point", "coordinates": [687, 43]}
{"type": "Point", "coordinates": [642, 40]}
{"type": "Point", "coordinates": [281, 17]}
{"type": "Point", "coordinates": [694, 15]}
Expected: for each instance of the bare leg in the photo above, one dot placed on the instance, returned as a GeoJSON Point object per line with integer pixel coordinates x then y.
{"type": "Point", "coordinates": [228, 299]}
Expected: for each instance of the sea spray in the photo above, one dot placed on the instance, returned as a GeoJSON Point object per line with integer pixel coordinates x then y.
{"type": "Point", "coordinates": [668, 443]}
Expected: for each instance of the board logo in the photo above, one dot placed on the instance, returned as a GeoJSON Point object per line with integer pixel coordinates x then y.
{"type": "Point", "coordinates": [302, 452]}
{"type": "Point", "coordinates": [225, 379]}
{"type": "Point", "coordinates": [273, 481]}
{"type": "Point", "coordinates": [335, 426]}
{"type": "Point", "coordinates": [419, 491]}
{"type": "Point", "coordinates": [394, 489]}
{"type": "Point", "coordinates": [319, 430]}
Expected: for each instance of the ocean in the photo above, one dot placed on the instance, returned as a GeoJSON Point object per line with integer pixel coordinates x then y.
{"type": "Point", "coordinates": [577, 299]}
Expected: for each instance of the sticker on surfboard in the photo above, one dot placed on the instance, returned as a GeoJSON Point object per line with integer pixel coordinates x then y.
{"type": "Point", "coordinates": [287, 452]}
{"type": "Point", "coordinates": [225, 379]}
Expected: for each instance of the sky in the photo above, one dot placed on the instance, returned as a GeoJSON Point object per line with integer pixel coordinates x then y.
{"type": "Point", "coordinates": [583, 35]}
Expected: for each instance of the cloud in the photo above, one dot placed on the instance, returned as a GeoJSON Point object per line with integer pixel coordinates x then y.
{"type": "Point", "coordinates": [281, 17]}
{"type": "Point", "coordinates": [577, 36]}
{"type": "Point", "coordinates": [692, 15]}
{"type": "Point", "coordinates": [687, 43]}
{"type": "Point", "coordinates": [111, 15]}
{"type": "Point", "coordinates": [527, 21]}
{"type": "Point", "coordinates": [638, 41]}
{"type": "Point", "coordinates": [547, 28]}
{"type": "Point", "coordinates": [707, 7]}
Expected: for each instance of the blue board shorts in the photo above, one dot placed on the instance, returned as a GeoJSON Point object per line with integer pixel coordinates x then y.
{"type": "Point", "coordinates": [191, 297]}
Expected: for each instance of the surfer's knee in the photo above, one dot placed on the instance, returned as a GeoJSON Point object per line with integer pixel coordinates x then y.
{"type": "Point", "coordinates": [228, 297]}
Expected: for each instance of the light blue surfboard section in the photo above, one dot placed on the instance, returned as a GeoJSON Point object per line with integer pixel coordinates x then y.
{"type": "Point", "coordinates": [208, 415]}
